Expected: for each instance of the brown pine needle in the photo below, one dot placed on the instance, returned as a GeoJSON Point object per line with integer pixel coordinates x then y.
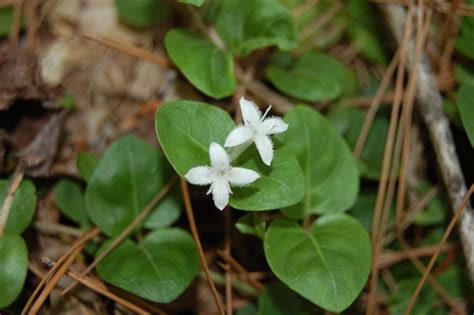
{"type": "Point", "coordinates": [446, 234]}
{"type": "Point", "coordinates": [244, 274]}
{"type": "Point", "coordinates": [194, 232]}
{"type": "Point", "coordinates": [126, 232]}
{"type": "Point", "coordinates": [128, 49]}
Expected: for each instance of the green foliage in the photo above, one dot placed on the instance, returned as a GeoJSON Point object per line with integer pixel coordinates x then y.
{"type": "Point", "coordinates": [185, 130]}
{"type": "Point", "coordinates": [365, 30]}
{"type": "Point", "coordinates": [330, 170]}
{"type": "Point", "coordinates": [465, 40]}
{"type": "Point", "coordinates": [13, 267]}
{"type": "Point", "coordinates": [196, 3]}
{"type": "Point", "coordinates": [466, 109]}
{"type": "Point", "coordinates": [247, 25]}
{"type": "Point", "coordinates": [278, 299]}
{"type": "Point", "coordinates": [141, 13]}
{"type": "Point", "coordinates": [166, 212]}
{"type": "Point", "coordinates": [210, 70]}
{"type": "Point", "coordinates": [405, 289]}
{"type": "Point", "coordinates": [128, 176]}
{"type": "Point", "coordinates": [22, 208]}
{"type": "Point", "coordinates": [349, 122]}
{"type": "Point", "coordinates": [70, 199]}
{"type": "Point", "coordinates": [158, 268]}
{"type": "Point", "coordinates": [435, 212]}
{"type": "Point", "coordinates": [313, 77]}
{"type": "Point", "coordinates": [252, 224]}
{"type": "Point", "coordinates": [327, 264]}
{"type": "Point", "coordinates": [6, 21]}
{"type": "Point", "coordinates": [86, 163]}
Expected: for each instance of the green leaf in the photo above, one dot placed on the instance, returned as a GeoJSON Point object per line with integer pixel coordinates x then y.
{"type": "Point", "coordinates": [13, 267]}
{"type": "Point", "coordinates": [166, 212]}
{"type": "Point", "coordinates": [463, 75]}
{"type": "Point", "coordinates": [249, 309]}
{"type": "Point", "coordinates": [70, 199]}
{"type": "Point", "coordinates": [185, 130]}
{"type": "Point", "coordinates": [210, 70]}
{"type": "Point", "coordinates": [159, 268]}
{"type": "Point", "coordinates": [349, 122]}
{"type": "Point", "coordinates": [278, 299]}
{"type": "Point", "coordinates": [127, 178]}
{"type": "Point", "coordinates": [466, 109]}
{"type": "Point", "coordinates": [196, 3]}
{"type": "Point", "coordinates": [141, 13]}
{"type": "Point", "coordinates": [86, 164]}
{"type": "Point", "coordinates": [252, 224]}
{"type": "Point", "coordinates": [435, 212]}
{"type": "Point", "coordinates": [281, 185]}
{"type": "Point", "coordinates": [328, 264]}
{"type": "Point", "coordinates": [330, 169]}
{"type": "Point", "coordinates": [465, 40]}
{"type": "Point", "coordinates": [248, 25]}
{"type": "Point", "coordinates": [313, 77]}
{"type": "Point", "coordinates": [6, 21]}
{"type": "Point", "coordinates": [398, 302]}
{"type": "Point", "coordinates": [22, 208]}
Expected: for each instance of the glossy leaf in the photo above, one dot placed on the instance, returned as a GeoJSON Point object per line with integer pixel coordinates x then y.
{"type": "Point", "coordinates": [280, 185]}
{"type": "Point", "coordinates": [330, 170]}
{"type": "Point", "coordinates": [86, 163]}
{"type": "Point", "coordinates": [328, 264]}
{"type": "Point", "coordinates": [466, 109]}
{"type": "Point", "coordinates": [159, 268]}
{"type": "Point", "coordinates": [252, 224]}
{"type": "Point", "coordinates": [166, 212]}
{"type": "Point", "coordinates": [70, 199]}
{"type": "Point", "coordinates": [248, 25]}
{"type": "Point", "coordinates": [210, 70]}
{"type": "Point", "coordinates": [127, 178]}
{"type": "Point", "coordinates": [22, 208]}
{"type": "Point", "coordinates": [141, 13]}
{"type": "Point", "coordinates": [278, 299]}
{"type": "Point", "coordinates": [185, 130]}
{"type": "Point", "coordinates": [13, 267]}
{"type": "Point", "coordinates": [196, 3]}
{"type": "Point", "coordinates": [313, 77]}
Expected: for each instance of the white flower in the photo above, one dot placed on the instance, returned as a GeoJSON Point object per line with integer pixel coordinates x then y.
{"type": "Point", "coordinates": [219, 175]}
{"type": "Point", "coordinates": [256, 129]}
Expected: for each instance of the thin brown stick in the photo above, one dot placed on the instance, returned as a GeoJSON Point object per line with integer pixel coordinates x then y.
{"type": "Point", "coordinates": [367, 101]}
{"type": "Point", "coordinates": [374, 106]}
{"type": "Point", "coordinates": [227, 249]}
{"type": "Point", "coordinates": [70, 256]}
{"type": "Point", "coordinates": [245, 275]}
{"type": "Point", "coordinates": [194, 232]}
{"type": "Point", "coordinates": [31, 7]}
{"type": "Point", "coordinates": [322, 19]}
{"type": "Point", "coordinates": [446, 234]}
{"type": "Point", "coordinates": [12, 188]}
{"type": "Point", "coordinates": [126, 232]}
{"type": "Point", "coordinates": [389, 146]}
{"type": "Point", "coordinates": [128, 49]}
{"type": "Point", "coordinates": [388, 259]}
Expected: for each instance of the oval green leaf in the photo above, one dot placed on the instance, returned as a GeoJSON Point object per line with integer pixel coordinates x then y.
{"type": "Point", "coordinates": [127, 178]}
{"type": "Point", "coordinates": [278, 299]}
{"type": "Point", "coordinates": [22, 208]}
{"type": "Point", "coordinates": [210, 70]}
{"type": "Point", "coordinates": [159, 268]}
{"type": "Point", "coordinates": [330, 262]}
{"type": "Point", "coordinates": [314, 77]}
{"type": "Point", "coordinates": [141, 13]}
{"type": "Point", "coordinates": [248, 25]}
{"type": "Point", "coordinates": [466, 109]}
{"type": "Point", "coordinates": [70, 199]}
{"type": "Point", "coordinates": [166, 212]}
{"type": "Point", "coordinates": [330, 169]}
{"type": "Point", "coordinates": [86, 163]}
{"type": "Point", "coordinates": [13, 267]}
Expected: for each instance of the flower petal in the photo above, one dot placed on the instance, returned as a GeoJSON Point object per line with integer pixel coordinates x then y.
{"type": "Point", "coordinates": [273, 125]}
{"type": "Point", "coordinates": [250, 112]}
{"type": "Point", "coordinates": [265, 148]}
{"type": "Point", "coordinates": [238, 136]}
{"type": "Point", "coordinates": [220, 192]}
{"type": "Point", "coordinates": [219, 158]}
{"type": "Point", "coordinates": [201, 175]}
{"type": "Point", "coordinates": [242, 176]}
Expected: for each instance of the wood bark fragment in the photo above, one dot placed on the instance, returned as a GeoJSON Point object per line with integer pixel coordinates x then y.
{"type": "Point", "coordinates": [430, 107]}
